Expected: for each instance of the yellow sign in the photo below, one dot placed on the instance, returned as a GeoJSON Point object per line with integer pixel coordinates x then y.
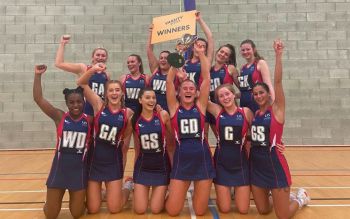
{"type": "Point", "coordinates": [173, 26]}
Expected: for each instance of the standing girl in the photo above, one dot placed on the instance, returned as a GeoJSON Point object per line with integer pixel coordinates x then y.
{"type": "Point", "coordinates": [254, 71]}
{"type": "Point", "coordinates": [68, 170]}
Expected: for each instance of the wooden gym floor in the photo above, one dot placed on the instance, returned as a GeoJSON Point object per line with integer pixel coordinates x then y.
{"type": "Point", "coordinates": [323, 171]}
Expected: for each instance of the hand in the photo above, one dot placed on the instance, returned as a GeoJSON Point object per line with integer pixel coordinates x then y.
{"type": "Point", "coordinates": [150, 28]}
{"type": "Point", "coordinates": [281, 147]}
{"type": "Point", "coordinates": [181, 74]}
{"type": "Point", "coordinates": [99, 67]}
{"type": "Point", "coordinates": [199, 49]}
{"type": "Point", "coordinates": [159, 108]}
{"type": "Point", "coordinates": [278, 46]}
{"type": "Point", "coordinates": [65, 39]}
{"type": "Point", "coordinates": [198, 15]}
{"type": "Point", "coordinates": [40, 69]}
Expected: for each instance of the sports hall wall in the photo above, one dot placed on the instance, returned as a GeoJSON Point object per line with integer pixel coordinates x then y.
{"type": "Point", "coordinates": [316, 62]}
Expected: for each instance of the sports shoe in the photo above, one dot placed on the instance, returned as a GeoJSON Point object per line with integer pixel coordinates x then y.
{"type": "Point", "coordinates": [302, 197]}
{"type": "Point", "coordinates": [128, 183]}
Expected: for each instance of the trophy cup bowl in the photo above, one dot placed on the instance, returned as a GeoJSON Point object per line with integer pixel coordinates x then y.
{"type": "Point", "coordinates": [176, 59]}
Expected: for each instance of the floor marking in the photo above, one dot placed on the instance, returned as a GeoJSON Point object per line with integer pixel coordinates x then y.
{"type": "Point", "coordinates": [212, 208]}
{"type": "Point", "coordinates": [190, 205]}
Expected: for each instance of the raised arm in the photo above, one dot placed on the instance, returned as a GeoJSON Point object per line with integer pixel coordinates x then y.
{"type": "Point", "coordinates": [171, 99]}
{"type": "Point", "coordinates": [209, 35]}
{"type": "Point", "coordinates": [152, 59]}
{"type": "Point", "coordinates": [279, 104]}
{"type": "Point", "coordinates": [214, 108]}
{"type": "Point", "coordinates": [205, 86]}
{"type": "Point", "coordinates": [91, 96]}
{"type": "Point", "coordinates": [76, 68]}
{"type": "Point", "coordinates": [54, 113]}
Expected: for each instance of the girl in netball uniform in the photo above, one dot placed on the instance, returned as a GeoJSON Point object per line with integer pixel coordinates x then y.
{"type": "Point", "coordinates": [159, 69]}
{"type": "Point", "coordinates": [254, 71]}
{"type": "Point", "coordinates": [68, 170]}
{"type": "Point", "coordinates": [192, 160]}
{"type": "Point", "coordinates": [112, 125]}
{"type": "Point", "coordinates": [269, 168]}
{"type": "Point", "coordinates": [152, 165]}
{"type": "Point", "coordinates": [223, 72]}
{"type": "Point", "coordinates": [97, 81]}
{"type": "Point", "coordinates": [134, 81]}
{"type": "Point", "coordinates": [231, 155]}
{"type": "Point", "coordinates": [193, 65]}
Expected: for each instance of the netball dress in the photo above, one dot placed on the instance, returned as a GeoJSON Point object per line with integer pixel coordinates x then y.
{"type": "Point", "coordinates": [69, 169]}
{"type": "Point", "coordinates": [249, 76]}
{"type": "Point", "coordinates": [269, 168]}
{"type": "Point", "coordinates": [152, 167]}
{"type": "Point", "coordinates": [192, 158]}
{"type": "Point", "coordinates": [231, 161]}
{"type": "Point", "coordinates": [107, 157]}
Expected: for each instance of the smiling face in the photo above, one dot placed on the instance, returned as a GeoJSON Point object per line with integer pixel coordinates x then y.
{"type": "Point", "coordinates": [223, 55]}
{"type": "Point", "coordinates": [148, 100]}
{"type": "Point", "coordinates": [187, 92]}
{"type": "Point", "coordinates": [133, 64]}
{"type": "Point", "coordinates": [261, 95]}
{"type": "Point", "coordinates": [75, 104]}
{"type": "Point", "coordinates": [226, 97]}
{"type": "Point", "coordinates": [99, 55]}
{"type": "Point", "coordinates": [247, 51]}
{"type": "Point", "coordinates": [163, 61]}
{"type": "Point", "coordinates": [114, 93]}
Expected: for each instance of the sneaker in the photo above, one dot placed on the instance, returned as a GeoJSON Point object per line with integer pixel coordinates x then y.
{"type": "Point", "coordinates": [128, 183]}
{"type": "Point", "coordinates": [303, 197]}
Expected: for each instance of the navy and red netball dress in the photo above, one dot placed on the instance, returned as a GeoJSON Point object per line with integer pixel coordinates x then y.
{"type": "Point", "coordinates": [157, 82]}
{"type": "Point", "coordinates": [192, 158]}
{"type": "Point", "coordinates": [97, 84]}
{"type": "Point", "coordinates": [269, 168]}
{"type": "Point", "coordinates": [152, 167]}
{"type": "Point", "coordinates": [132, 88]}
{"type": "Point", "coordinates": [231, 160]}
{"type": "Point", "coordinates": [69, 168]}
{"type": "Point", "coordinates": [193, 71]}
{"type": "Point", "coordinates": [107, 157]}
{"type": "Point", "coordinates": [249, 76]}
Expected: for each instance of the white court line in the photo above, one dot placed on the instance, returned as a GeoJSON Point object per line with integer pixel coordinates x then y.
{"type": "Point", "coordinates": [190, 205]}
{"type": "Point", "coordinates": [193, 216]}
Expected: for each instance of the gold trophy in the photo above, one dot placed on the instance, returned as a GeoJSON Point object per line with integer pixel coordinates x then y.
{"type": "Point", "coordinates": [176, 59]}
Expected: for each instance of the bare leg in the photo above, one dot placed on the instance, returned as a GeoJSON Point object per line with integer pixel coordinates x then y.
{"type": "Point", "coordinates": [201, 196]}
{"type": "Point", "coordinates": [176, 198]}
{"type": "Point", "coordinates": [261, 199]}
{"type": "Point", "coordinates": [94, 196]}
{"type": "Point", "coordinates": [242, 199]}
{"type": "Point", "coordinates": [158, 199]}
{"type": "Point", "coordinates": [77, 203]}
{"type": "Point", "coordinates": [53, 203]}
{"type": "Point", "coordinates": [140, 198]}
{"type": "Point", "coordinates": [284, 208]}
{"type": "Point", "coordinates": [223, 198]}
